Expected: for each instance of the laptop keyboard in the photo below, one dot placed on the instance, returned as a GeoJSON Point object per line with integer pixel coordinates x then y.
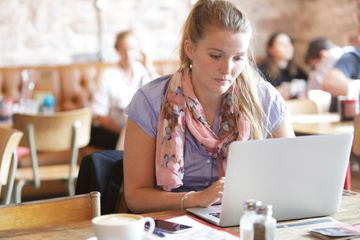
{"type": "Point", "coordinates": [215, 214]}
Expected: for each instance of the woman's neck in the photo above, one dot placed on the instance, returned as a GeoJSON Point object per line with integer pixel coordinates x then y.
{"type": "Point", "coordinates": [209, 102]}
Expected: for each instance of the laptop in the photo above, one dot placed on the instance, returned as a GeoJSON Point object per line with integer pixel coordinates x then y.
{"type": "Point", "coordinates": [300, 177]}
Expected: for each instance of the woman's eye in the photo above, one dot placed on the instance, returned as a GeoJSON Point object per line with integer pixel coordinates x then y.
{"type": "Point", "coordinates": [238, 58]}
{"type": "Point", "coordinates": [213, 56]}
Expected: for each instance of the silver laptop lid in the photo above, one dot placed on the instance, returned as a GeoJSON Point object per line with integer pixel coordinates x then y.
{"type": "Point", "coordinates": [301, 177]}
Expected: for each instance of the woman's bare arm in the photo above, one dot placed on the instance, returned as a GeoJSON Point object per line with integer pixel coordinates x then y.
{"type": "Point", "coordinates": [139, 178]}
{"type": "Point", "coordinates": [284, 130]}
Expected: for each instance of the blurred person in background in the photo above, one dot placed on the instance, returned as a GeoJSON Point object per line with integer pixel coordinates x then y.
{"type": "Point", "coordinates": [333, 67]}
{"type": "Point", "coordinates": [279, 67]}
{"type": "Point", "coordinates": [116, 87]}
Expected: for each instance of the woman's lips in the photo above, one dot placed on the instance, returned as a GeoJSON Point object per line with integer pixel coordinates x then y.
{"type": "Point", "coordinates": [222, 80]}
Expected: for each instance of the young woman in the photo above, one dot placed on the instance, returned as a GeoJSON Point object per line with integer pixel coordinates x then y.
{"type": "Point", "coordinates": [279, 68]}
{"type": "Point", "coordinates": [180, 126]}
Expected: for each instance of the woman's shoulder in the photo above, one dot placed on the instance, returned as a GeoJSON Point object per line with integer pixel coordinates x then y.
{"type": "Point", "coordinates": [144, 108]}
{"type": "Point", "coordinates": [273, 104]}
{"type": "Point", "coordinates": [268, 94]}
{"type": "Point", "coordinates": [156, 87]}
{"type": "Point", "coordinates": [152, 93]}
{"type": "Point", "coordinates": [265, 87]}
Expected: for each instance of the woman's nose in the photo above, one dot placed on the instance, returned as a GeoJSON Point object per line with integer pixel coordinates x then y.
{"type": "Point", "coordinates": [226, 66]}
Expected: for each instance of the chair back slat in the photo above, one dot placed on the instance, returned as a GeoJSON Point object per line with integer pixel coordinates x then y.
{"type": "Point", "coordinates": [9, 140]}
{"type": "Point", "coordinates": [49, 212]}
{"type": "Point", "coordinates": [52, 132]}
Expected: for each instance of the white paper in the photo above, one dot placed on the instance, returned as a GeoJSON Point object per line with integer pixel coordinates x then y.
{"type": "Point", "coordinates": [198, 232]}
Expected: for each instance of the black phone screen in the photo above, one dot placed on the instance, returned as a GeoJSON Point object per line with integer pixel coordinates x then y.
{"type": "Point", "coordinates": [170, 227]}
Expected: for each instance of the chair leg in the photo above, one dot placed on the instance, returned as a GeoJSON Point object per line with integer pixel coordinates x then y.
{"type": "Point", "coordinates": [71, 188]}
{"type": "Point", "coordinates": [18, 188]}
{"type": "Point", "coordinates": [4, 197]}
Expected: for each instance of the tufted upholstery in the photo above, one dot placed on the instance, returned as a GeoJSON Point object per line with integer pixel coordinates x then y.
{"type": "Point", "coordinates": [72, 85]}
{"type": "Point", "coordinates": [78, 85]}
{"type": "Point", "coordinates": [10, 82]}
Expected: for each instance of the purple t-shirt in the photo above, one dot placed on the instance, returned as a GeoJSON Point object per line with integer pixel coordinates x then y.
{"type": "Point", "coordinates": [200, 170]}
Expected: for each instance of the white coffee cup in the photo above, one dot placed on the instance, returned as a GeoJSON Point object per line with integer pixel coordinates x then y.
{"type": "Point", "coordinates": [122, 226]}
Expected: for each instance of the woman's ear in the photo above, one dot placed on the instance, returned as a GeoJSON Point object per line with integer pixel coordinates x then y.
{"type": "Point", "coordinates": [188, 47]}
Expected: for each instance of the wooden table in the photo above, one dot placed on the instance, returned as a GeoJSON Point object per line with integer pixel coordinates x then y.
{"type": "Point", "coordinates": [328, 123]}
{"type": "Point", "coordinates": [349, 213]}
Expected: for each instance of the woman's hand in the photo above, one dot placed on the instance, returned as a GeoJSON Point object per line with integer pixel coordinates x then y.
{"type": "Point", "coordinates": [208, 196]}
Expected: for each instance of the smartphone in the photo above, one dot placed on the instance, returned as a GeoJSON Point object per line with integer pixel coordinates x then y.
{"type": "Point", "coordinates": [170, 227]}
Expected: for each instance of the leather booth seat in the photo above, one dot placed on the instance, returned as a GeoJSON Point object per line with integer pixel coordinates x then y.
{"type": "Point", "coordinates": [71, 85]}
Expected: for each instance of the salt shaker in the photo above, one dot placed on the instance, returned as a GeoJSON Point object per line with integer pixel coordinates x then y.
{"type": "Point", "coordinates": [264, 223]}
{"type": "Point", "coordinates": [247, 219]}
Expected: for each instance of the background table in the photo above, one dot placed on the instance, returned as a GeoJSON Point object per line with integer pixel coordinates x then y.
{"type": "Point", "coordinates": [328, 123]}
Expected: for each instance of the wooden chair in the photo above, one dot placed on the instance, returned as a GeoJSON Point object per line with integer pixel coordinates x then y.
{"type": "Point", "coordinates": [301, 106]}
{"type": "Point", "coordinates": [9, 140]}
{"type": "Point", "coordinates": [49, 212]}
{"type": "Point", "coordinates": [60, 131]}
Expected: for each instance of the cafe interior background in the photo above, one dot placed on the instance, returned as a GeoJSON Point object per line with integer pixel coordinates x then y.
{"type": "Point", "coordinates": [62, 32]}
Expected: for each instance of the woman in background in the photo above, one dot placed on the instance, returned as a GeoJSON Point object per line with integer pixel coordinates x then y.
{"type": "Point", "coordinates": [117, 85]}
{"type": "Point", "coordinates": [180, 126]}
{"type": "Point", "coordinates": [279, 68]}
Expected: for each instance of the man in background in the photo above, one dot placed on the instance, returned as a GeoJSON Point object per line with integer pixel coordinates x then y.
{"type": "Point", "coordinates": [333, 67]}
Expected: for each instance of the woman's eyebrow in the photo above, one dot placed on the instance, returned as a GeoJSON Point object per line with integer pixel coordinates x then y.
{"type": "Point", "coordinates": [219, 50]}
{"type": "Point", "coordinates": [215, 49]}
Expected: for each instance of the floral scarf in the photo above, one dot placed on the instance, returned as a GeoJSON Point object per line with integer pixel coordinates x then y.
{"type": "Point", "coordinates": [181, 109]}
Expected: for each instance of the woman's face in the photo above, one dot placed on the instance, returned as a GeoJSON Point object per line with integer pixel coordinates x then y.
{"type": "Point", "coordinates": [128, 49]}
{"type": "Point", "coordinates": [217, 59]}
{"type": "Point", "coordinates": [282, 48]}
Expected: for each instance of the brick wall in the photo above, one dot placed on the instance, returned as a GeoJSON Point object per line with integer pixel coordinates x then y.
{"type": "Point", "coordinates": [304, 20]}
{"type": "Point", "coordinates": [335, 19]}
{"type": "Point", "coordinates": [35, 32]}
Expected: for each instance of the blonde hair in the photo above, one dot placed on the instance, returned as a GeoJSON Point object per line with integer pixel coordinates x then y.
{"type": "Point", "coordinates": [225, 15]}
